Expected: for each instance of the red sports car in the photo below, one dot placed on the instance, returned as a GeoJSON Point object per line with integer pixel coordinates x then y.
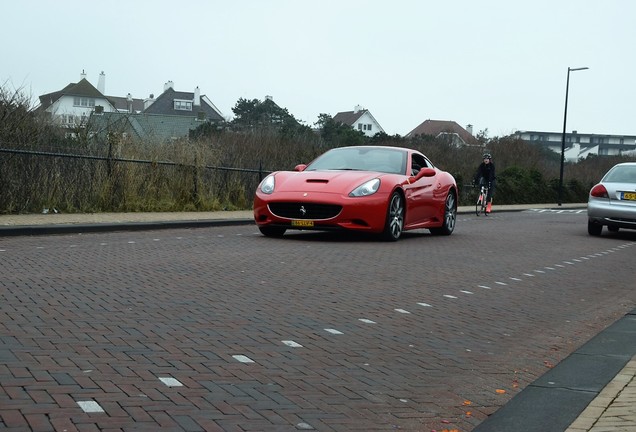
{"type": "Point", "coordinates": [374, 189]}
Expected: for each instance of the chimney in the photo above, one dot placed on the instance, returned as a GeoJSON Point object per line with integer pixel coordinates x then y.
{"type": "Point", "coordinates": [357, 109]}
{"type": "Point", "coordinates": [129, 99]}
{"type": "Point", "coordinates": [149, 101]}
{"type": "Point", "coordinates": [268, 97]}
{"type": "Point", "coordinates": [197, 96]}
{"type": "Point", "coordinates": [168, 85]}
{"type": "Point", "coordinates": [101, 83]}
{"type": "Point", "coordinates": [82, 75]}
{"type": "Point", "coordinates": [469, 129]}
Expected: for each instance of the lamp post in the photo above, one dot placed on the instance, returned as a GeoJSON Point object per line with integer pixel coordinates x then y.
{"type": "Point", "coordinates": [565, 118]}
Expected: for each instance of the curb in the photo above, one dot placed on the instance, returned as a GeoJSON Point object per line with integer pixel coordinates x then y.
{"type": "Point", "coordinates": [31, 230]}
{"type": "Point", "coordinates": [558, 397]}
{"type": "Point", "coordinates": [75, 228]}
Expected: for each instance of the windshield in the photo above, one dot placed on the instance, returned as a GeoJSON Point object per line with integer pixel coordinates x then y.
{"type": "Point", "coordinates": [621, 174]}
{"type": "Point", "coordinates": [386, 160]}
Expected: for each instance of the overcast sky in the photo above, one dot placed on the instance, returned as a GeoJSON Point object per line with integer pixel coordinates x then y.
{"type": "Point", "coordinates": [499, 65]}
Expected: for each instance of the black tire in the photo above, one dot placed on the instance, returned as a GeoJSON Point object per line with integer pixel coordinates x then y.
{"type": "Point", "coordinates": [394, 218]}
{"type": "Point", "coordinates": [269, 231]}
{"type": "Point", "coordinates": [479, 206]}
{"type": "Point", "coordinates": [594, 228]}
{"type": "Point", "coordinates": [450, 216]}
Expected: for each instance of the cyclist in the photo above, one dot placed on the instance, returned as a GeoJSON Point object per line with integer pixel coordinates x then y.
{"type": "Point", "coordinates": [485, 176]}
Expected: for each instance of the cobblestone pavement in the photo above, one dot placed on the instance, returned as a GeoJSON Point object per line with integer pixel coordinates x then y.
{"type": "Point", "coordinates": [36, 385]}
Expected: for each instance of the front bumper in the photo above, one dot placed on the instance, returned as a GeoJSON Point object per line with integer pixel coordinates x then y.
{"type": "Point", "coordinates": [366, 214]}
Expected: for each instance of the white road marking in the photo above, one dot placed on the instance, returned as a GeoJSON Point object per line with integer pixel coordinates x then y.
{"type": "Point", "coordinates": [291, 343]}
{"type": "Point", "coordinates": [334, 331]}
{"type": "Point", "coordinates": [402, 311]}
{"type": "Point", "coordinates": [483, 286]}
{"type": "Point", "coordinates": [449, 296]}
{"type": "Point", "coordinates": [425, 304]}
{"type": "Point", "coordinates": [515, 279]}
{"type": "Point", "coordinates": [243, 359]}
{"type": "Point", "coordinates": [170, 382]}
{"type": "Point", "coordinates": [501, 283]}
{"type": "Point", "coordinates": [528, 274]}
{"type": "Point", "coordinates": [366, 321]}
{"type": "Point", "coordinates": [90, 407]}
{"type": "Point", "coordinates": [466, 292]}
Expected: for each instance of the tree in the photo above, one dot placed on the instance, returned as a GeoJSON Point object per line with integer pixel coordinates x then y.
{"type": "Point", "coordinates": [249, 114]}
{"type": "Point", "coordinates": [336, 134]}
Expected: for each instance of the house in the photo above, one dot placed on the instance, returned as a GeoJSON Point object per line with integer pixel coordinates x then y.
{"type": "Point", "coordinates": [449, 130]}
{"type": "Point", "coordinates": [143, 126]}
{"type": "Point", "coordinates": [183, 104]}
{"type": "Point", "coordinates": [579, 146]}
{"type": "Point", "coordinates": [359, 119]}
{"type": "Point", "coordinates": [171, 115]}
{"type": "Point", "coordinates": [73, 105]}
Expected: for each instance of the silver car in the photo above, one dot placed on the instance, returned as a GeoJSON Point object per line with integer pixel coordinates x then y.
{"type": "Point", "coordinates": [612, 202]}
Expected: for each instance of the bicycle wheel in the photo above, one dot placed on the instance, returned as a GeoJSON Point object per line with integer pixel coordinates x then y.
{"type": "Point", "coordinates": [479, 207]}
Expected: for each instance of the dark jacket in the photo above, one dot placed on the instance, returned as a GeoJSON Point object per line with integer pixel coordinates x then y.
{"type": "Point", "coordinates": [485, 171]}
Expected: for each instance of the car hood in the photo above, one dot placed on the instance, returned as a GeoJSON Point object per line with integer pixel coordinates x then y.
{"type": "Point", "coordinates": [323, 181]}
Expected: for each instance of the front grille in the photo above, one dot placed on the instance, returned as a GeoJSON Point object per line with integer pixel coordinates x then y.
{"type": "Point", "coordinates": [294, 210]}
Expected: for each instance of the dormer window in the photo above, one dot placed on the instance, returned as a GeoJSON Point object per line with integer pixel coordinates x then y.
{"type": "Point", "coordinates": [182, 105]}
{"type": "Point", "coordinates": [83, 102]}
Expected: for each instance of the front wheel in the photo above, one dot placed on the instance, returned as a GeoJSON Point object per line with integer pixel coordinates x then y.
{"type": "Point", "coordinates": [479, 207]}
{"type": "Point", "coordinates": [394, 218]}
{"type": "Point", "coordinates": [450, 217]}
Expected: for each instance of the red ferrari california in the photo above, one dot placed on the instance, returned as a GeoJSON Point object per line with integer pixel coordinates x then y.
{"type": "Point", "coordinates": [374, 189]}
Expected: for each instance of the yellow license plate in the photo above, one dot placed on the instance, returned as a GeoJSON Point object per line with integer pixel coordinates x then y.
{"type": "Point", "coordinates": [631, 196]}
{"type": "Point", "coordinates": [302, 223]}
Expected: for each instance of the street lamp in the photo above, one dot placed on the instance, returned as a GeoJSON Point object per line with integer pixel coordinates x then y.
{"type": "Point", "coordinates": [565, 118]}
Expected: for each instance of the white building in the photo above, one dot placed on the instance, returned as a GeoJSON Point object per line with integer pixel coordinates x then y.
{"type": "Point", "coordinates": [579, 146]}
{"type": "Point", "coordinates": [73, 105]}
{"type": "Point", "coordinates": [359, 119]}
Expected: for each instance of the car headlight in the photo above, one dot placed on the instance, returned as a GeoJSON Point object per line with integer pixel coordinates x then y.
{"type": "Point", "coordinates": [267, 185]}
{"type": "Point", "coordinates": [366, 189]}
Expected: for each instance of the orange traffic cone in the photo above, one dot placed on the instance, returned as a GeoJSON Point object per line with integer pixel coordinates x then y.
{"type": "Point", "coordinates": [489, 207]}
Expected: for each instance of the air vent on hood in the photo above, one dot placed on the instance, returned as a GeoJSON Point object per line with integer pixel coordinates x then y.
{"type": "Point", "coordinates": [317, 181]}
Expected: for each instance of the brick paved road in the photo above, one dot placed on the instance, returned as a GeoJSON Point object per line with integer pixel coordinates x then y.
{"type": "Point", "coordinates": [223, 329]}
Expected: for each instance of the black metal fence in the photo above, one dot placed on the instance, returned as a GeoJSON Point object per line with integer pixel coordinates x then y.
{"type": "Point", "coordinates": [32, 179]}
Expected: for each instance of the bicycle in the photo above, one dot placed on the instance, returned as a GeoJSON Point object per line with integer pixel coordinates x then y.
{"type": "Point", "coordinates": [482, 203]}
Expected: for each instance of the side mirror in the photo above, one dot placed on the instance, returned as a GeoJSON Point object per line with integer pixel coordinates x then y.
{"type": "Point", "coordinates": [300, 167]}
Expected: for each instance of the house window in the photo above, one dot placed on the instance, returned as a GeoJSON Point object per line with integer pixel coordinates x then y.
{"type": "Point", "coordinates": [369, 127]}
{"type": "Point", "coordinates": [68, 120]}
{"type": "Point", "coordinates": [182, 105]}
{"type": "Point", "coordinates": [83, 102]}
{"type": "Point", "coordinates": [360, 126]}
